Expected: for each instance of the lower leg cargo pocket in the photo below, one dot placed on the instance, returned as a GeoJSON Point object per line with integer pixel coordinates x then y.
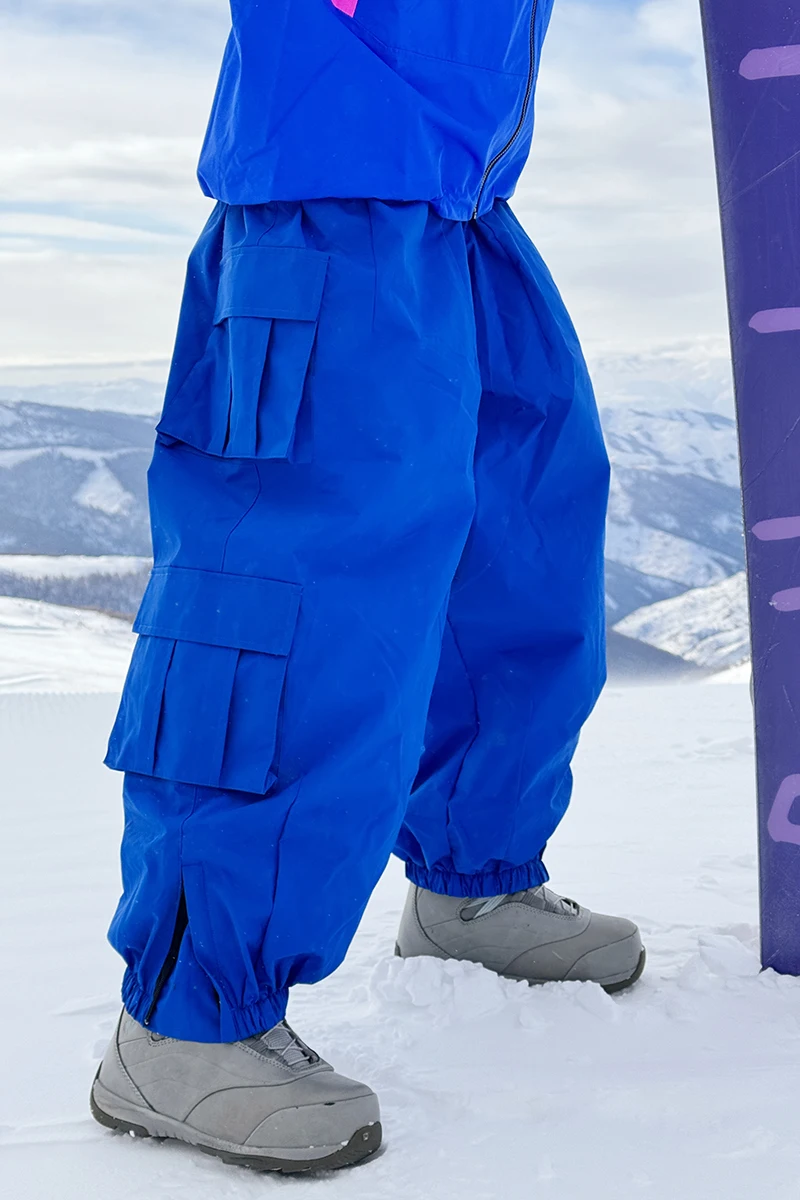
{"type": "Point", "coordinates": [202, 698]}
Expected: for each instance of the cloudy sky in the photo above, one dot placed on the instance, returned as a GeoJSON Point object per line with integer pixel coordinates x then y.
{"type": "Point", "coordinates": [103, 104]}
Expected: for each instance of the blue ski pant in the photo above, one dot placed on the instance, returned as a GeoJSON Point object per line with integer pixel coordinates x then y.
{"type": "Point", "coordinates": [375, 619]}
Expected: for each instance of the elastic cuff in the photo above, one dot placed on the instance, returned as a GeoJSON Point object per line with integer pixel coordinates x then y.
{"type": "Point", "coordinates": [482, 884]}
{"type": "Point", "coordinates": [233, 1024]}
{"type": "Point", "coordinates": [238, 1023]}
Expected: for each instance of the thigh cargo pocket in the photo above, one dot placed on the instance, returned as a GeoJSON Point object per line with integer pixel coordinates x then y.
{"type": "Point", "coordinates": [243, 398]}
{"type": "Point", "coordinates": [202, 698]}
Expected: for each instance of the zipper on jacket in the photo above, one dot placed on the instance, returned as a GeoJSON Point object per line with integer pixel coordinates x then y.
{"type": "Point", "coordinates": [525, 105]}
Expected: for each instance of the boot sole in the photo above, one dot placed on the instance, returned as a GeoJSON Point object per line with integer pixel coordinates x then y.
{"type": "Point", "coordinates": [610, 988]}
{"type": "Point", "coordinates": [362, 1145]}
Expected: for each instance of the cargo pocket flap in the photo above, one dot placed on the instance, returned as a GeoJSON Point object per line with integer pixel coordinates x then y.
{"type": "Point", "coordinates": [203, 695]}
{"type": "Point", "coordinates": [272, 282]}
{"type": "Point", "coordinates": [240, 611]}
{"type": "Point", "coordinates": [243, 398]}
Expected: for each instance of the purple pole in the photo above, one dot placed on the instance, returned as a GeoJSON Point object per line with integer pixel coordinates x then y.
{"type": "Point", "coordinates": [753, 54]}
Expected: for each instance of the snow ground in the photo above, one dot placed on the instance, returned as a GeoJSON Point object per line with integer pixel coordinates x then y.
{"type": "Point", "coordinates": [686, 1087]}
{"type": "Point", "coordinates": [52, 648]}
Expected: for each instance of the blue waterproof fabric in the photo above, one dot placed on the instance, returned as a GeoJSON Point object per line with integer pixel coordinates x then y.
{"type": "Point", "coordinates": [375, 619]}
{"type": "Point", "coordinates": [401, 100]}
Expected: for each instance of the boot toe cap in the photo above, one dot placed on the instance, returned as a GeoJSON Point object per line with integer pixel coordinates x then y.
{"type": "Point", "coordinates": [325, 1125]}
{"type": "Point", "coordinates": [607, 951]}
{"type": "Point", "coordinates": [610, 954]}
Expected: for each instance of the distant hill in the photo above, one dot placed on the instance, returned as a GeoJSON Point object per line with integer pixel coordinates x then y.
{"type": "Point", "coordinates": [705, 626]}
{"type": "Point", "coordinates": [72, 481]}
{"type": "Point", "coordinates": [110, 583]}
{"type": "Point", "coordinates": [675, 519]}
{"type": "Point", "coordinates": [73, 460]}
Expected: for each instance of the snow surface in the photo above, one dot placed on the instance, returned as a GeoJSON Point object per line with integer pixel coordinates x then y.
{"type": "Point", "coordinates": [706, 626]}
{"type": "Point", "coordinates": [50, 648]}
{"type": "Point", "coordinates": [686, 1087]}
{"type": "Point", "coordinates": [740, 674]}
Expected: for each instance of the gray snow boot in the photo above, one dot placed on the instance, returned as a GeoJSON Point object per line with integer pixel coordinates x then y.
{"type": "Point", "coordinates": [534, 935]}
{"type": "Point", "coordinates": [266, 1102]}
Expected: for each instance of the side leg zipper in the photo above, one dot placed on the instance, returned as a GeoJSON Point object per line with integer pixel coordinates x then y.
{"type": "Point", "coordinates": [181, 921]}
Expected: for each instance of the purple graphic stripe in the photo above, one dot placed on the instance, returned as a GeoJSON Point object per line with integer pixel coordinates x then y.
{"type": "Point", "coordinates": [779, 529]}
{"type": "Point", "coordinates": [346, 6]}
{"type": "Point", "coordinates": [776, 320]}
{"type": "Point", "coordinates": [779, 827]}
{"type": "Point", "coordinates": [788, 601]}
{"type": "Point", "coordinates": [774, 62]}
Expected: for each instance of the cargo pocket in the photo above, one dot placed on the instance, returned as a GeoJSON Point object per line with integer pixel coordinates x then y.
{"type": "Point", "coordinates": [202, 698]}
{"type": "Point", "coordinates": [243, 398]}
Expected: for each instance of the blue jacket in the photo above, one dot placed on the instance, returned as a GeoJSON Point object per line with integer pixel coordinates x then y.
{"type": "Point", "coordinates": [394, 99]}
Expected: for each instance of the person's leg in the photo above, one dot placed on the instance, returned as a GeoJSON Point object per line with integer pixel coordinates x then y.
{"type": "Point", "coordinates": [524, 654]}
{"type": "Point", "coordinates": [523, 658]}
{"type": "Point", "coordinates": [311, 495]}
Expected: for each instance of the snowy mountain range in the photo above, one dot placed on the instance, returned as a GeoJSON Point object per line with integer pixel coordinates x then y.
{"type": "Point", "coordinates": [675, 512]}
{"type": "Point", "coordinates": [74, 527]}
{"type": "Point", "coordinates": [705, 626]}
{"type": "Point", "coordinates": [72, 481]}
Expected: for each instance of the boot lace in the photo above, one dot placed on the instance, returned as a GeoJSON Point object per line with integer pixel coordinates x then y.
{"type": "Point", "coordinates": [284, 1042]}
{"type": "Point", "coordinates": [537, 897]}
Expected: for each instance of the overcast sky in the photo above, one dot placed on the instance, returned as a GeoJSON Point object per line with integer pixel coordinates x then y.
{"type": "Point", "coordinates": [103, 106]}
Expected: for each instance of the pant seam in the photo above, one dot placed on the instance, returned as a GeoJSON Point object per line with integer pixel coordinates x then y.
{"type": "Point", "coordinates": [278, 845]}
{"type": "Point", "coordinates": [242, 518]}
{"type": "Point", "coordinates": [473, 739]}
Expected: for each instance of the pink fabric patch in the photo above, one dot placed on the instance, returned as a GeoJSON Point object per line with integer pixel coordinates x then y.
{"type": "Point", "coordinates": [346, 6]}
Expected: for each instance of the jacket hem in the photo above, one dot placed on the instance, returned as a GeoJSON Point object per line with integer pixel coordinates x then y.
{"type": "Point", "coordinates": [449, 207]}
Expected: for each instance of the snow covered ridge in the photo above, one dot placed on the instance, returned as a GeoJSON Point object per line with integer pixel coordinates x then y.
{"type": "Point", "coordinates": [675, 518]}
{"type": "Point", "coordinates": [111, 583]}
{"type": "Point", "coordinates": [706, 626]}
{"type": "Point", "coordinates": [131, 397]}
{"type": "Point", "coordinates": [72, 482]}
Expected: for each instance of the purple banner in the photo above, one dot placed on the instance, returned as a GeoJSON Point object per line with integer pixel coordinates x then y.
{"type": "Point", "coordinates": [753, 53]}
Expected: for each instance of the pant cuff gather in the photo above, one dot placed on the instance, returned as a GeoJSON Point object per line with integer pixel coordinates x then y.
{"type": "Point", "coordinates": [233, 1023]}
{"type": "Point", "coordinates": [480, 885]}
{"type": "Point", "coordinates": [237, 1023]}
